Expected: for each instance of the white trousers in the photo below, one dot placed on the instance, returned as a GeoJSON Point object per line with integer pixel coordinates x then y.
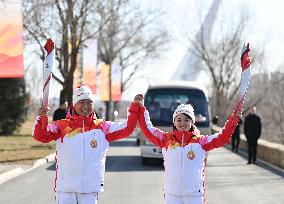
{"type": "Point", "coordinates": [173, 199]}
{"type": "Point", "coordinates": [76, 198]}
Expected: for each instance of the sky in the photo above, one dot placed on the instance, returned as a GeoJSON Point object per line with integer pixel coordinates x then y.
{"type": "Point", "coordinates": [265, 30]}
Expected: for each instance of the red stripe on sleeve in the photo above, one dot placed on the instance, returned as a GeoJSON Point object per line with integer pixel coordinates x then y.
{"type": "Point", "coordinates": [223, 137]}
{"type": "Point", "coordinates": [131, 125]}
{"type": "Point", "coordinates": [45, 134]}
{"type": "Point", "coordinates": [155, 139]}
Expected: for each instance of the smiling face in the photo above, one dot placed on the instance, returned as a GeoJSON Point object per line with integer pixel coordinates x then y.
{"type": "Point", "coordinates": [84, 107]}
{"type": "Point", "coordinates": [182, 122]}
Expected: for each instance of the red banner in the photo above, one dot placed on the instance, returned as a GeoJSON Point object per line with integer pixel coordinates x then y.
{"type": "Point", "coordinates": [90, 64]}
{"type": "Point", "coordinates": [86, 72]}
{"type": "Point", "coordinates": [115, 82]}
{"type": "Point", "coordinates": [11, 40]}
{"type": "Point", "coordinates": [104, 82]}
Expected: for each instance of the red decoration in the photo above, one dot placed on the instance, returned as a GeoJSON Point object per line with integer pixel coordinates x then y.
{"type": "Point", "coordinates": [49, 46]}
{"type": "Point", "coordinates": [245, 60]}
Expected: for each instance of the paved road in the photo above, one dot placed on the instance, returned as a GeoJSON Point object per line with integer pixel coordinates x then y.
{"type": "Point", "coordinates": [229, 180]}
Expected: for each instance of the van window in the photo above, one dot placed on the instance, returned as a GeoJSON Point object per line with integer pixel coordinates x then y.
{"type": "Point", "coordinates": [162, 102]}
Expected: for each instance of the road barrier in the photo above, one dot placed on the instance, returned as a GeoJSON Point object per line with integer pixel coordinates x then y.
{"type": "Point", "coordinates": [270, 152]}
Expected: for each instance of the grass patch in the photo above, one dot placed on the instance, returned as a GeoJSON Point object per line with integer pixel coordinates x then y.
{"type": "Point", "coordinates": [21, 148]}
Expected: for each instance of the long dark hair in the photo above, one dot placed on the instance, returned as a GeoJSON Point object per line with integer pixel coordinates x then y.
{"type": "Point", "coordinates": [191, 128]}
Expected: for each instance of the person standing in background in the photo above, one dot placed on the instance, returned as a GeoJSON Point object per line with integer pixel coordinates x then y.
{"type": "Point", "coordinates": [60, 113]}
{"type": "Point", "coordinates": [235, 141]}
{"type": "Point", "coordinates": [252, 130]}
{"type": "Point", "coordinates": [101, 113]}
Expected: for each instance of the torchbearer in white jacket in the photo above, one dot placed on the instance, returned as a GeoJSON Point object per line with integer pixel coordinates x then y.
{"type": "Point", "coordinates": [184, 149]}
{"type": "Point", "coordinates": [82, 142]}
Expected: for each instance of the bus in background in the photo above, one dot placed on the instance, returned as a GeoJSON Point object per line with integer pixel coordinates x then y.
{"type": "Point", "coordinates": [161, 100]}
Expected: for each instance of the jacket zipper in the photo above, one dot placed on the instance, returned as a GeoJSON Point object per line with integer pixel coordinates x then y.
{"type": "Point", "coordinates": [83, 125]}
{"type": "Point", "coordinates": [182, 163]}
{"type": "Point", "coordinates": [83, 130]}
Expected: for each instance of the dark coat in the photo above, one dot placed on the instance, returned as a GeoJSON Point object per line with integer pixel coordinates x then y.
{"type": "Point", "coordinates": [252, 127]}
{"type": "Point", "coordinates": [59, 114]}
{"type": "Point", "coordinates": [237, 131]}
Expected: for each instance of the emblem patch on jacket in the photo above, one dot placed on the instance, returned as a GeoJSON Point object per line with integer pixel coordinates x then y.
{"type": "Point", "coordinates": [94, 143]}
{"type": "Point", "coordinates": [191, 155]}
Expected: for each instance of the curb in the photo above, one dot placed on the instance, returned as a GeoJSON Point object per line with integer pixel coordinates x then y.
{"type": "Point", "coordinates": [44, 160]}
{"type": "Point", "coordinates": [8, 175]}
{"type": "Point", "coordinates": [264, 164]}
{"type": "Point", "coordinates": [13, 173]}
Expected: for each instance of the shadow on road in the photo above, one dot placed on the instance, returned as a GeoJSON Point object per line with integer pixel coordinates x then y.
{"type": "Point", "coordinates": [260, 163]}
{"type": "Point", "coordinates": [224, 165]}
{"type": "Point", "coordinates": [126, 163]}
{"type": "Point", "coordinates": [132, 163]}
{"type": "Point", "coordinates": [123, 143]}
{"type": "Point", "coordinates": [274, 170]}
{"type": "Point", "coordinates": [51, 167]}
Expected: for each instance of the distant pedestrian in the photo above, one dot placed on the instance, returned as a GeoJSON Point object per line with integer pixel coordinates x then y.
{"type": "Point", "coordinates": [252, 130]}
{"type": "Point", "coordinates": [235, 141]}
{"type": "Point", "coordinates": [60, 113]}
{"type": "Point", "coordinates": [101, 114]}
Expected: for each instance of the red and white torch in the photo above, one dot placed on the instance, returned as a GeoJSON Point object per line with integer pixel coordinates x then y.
{"type": "Point", "coordinates": [245, 64]}
{"type": "Point", "coordinates": [47, 74]}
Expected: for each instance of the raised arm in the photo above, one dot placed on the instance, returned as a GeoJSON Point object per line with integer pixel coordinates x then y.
{"type": "Point", "coordinates": [155, 135]}
{"type": "Point", "coordinates": [118, 130]}
{"type": "Point", "coordinates": [223, 137]}
{"type": "Point", "coordinates": [49, 132]}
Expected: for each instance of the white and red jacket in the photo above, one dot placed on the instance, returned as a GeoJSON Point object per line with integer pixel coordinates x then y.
{"type": "Point", "coordinates": [184, 154]}
{"type": "Point", "coordinates": [81, 147]}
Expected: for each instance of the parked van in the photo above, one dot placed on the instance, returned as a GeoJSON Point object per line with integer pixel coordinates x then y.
{"type": "Point", "coordinates": [161, 100]}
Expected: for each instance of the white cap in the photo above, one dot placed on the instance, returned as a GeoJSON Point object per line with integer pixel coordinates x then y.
{"type": "Point", "coordinates": [186, 109]}
{"type": "Point", "coordinates": [83, 92]}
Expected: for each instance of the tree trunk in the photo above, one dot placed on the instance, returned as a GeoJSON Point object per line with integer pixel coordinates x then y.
{"type": "Point", "coordinates": [218, 104]}
{"type": "Point", "coordinates": [67, 91]}
{"type": "Point", "coordinates": [109, 112]}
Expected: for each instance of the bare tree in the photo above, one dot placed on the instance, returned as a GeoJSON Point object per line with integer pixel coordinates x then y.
{"type": "Point", "coordinates": [125, 30]}
{"type": "Point", "coordinates": [262, 85]}
{"type": "Point", "coordinates": [32, 86]}
{"type": "Point", "coordinates": [220, 58]}
{"type": "Point", "coordinates": [268, 97]}
{"type": "Point", "coordinates": [274, 103]}
{"type": "Point", "coordinates": [132, 36]}
{"type": "Point", "coordinates": [71, 23]}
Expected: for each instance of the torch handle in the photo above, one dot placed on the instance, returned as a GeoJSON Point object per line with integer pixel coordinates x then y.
{"type": "Point", "coordinates": [44, 122]}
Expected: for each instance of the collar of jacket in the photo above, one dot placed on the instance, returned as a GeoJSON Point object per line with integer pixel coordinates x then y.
{"type": "Point", "coordinates": [77, 120]}
{"type": "Point", "coordinates": [188, 136]}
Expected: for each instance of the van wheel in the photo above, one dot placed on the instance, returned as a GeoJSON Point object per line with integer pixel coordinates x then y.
{"type": "Point", "coordinates": [145, 161]}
